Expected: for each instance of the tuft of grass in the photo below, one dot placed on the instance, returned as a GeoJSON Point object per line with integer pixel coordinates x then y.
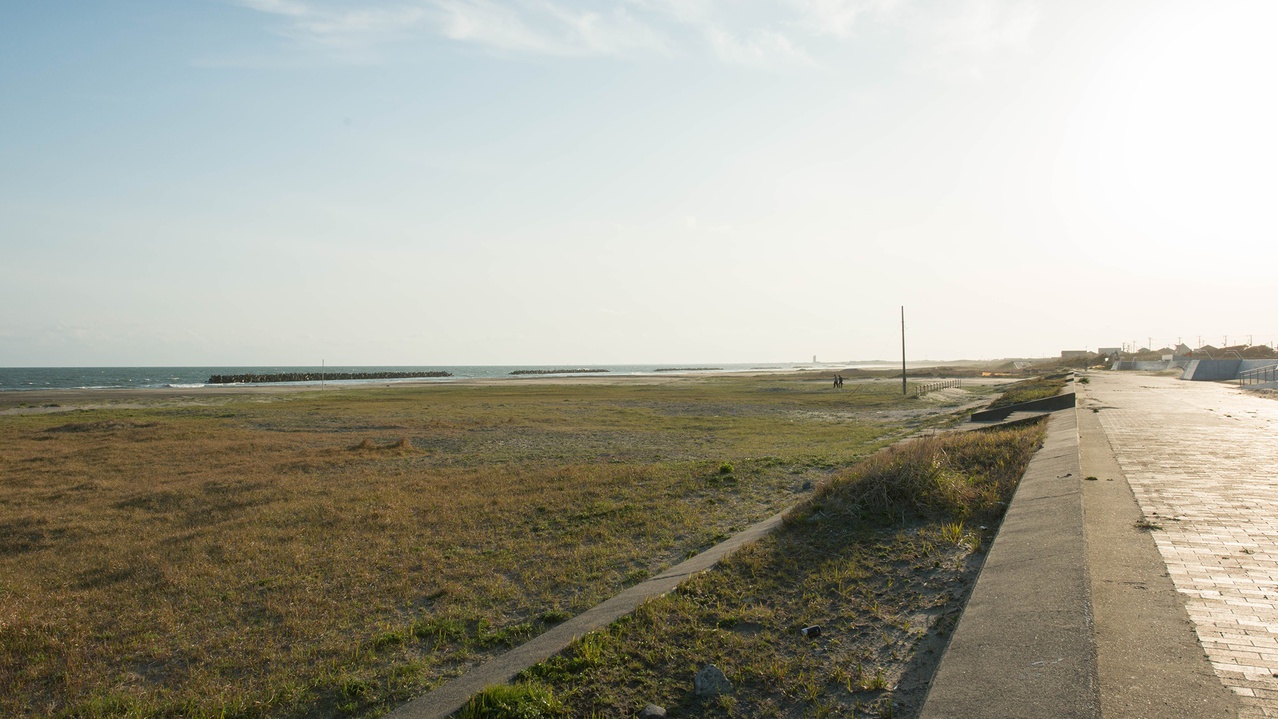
{"type": "Point", "coordinates": [518, 701]}
{"type": "Point", "coordinates": [961, 476]}
{"type": "Point", "coordinates": [952, 532]}
{"type": "Point", "coordinates": [554, 616]}
{"type": "Point", "coordinates": [726, 468]}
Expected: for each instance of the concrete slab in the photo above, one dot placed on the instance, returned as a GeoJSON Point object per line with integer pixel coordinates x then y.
{"type": "Point", "coordinates": [1200, 459]}
{"type": "Point", "coordinates": [1149, 662]}
{"type": "Point", "coordinates": [1024, 645]}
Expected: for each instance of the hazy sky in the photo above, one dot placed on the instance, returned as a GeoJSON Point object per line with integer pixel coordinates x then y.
{"type": "Point", "coordinates": [613, 181]}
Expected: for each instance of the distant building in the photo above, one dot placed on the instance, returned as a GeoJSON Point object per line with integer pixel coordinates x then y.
{"type": "Point", "coordinates": [1071, 354]}
{"type": "Point", "coordinates": [1109, 350]}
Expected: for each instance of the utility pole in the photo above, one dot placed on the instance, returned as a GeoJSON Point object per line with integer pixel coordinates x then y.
{"type": "Point", "coordinates": [903, 390]}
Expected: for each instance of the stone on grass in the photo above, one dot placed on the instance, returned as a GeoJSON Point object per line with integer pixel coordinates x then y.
{"type": "Point", "coordinates": [711, 681]}
{"type": "Point", "coordinates": [652, 711]}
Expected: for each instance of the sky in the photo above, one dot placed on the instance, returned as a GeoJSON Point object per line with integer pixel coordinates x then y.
{"type": "Point", "coordinates": [455, 182]}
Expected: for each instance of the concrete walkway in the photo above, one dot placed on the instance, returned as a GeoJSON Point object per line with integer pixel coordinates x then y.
{"type": "Point", "coordinates": [1201, 460]}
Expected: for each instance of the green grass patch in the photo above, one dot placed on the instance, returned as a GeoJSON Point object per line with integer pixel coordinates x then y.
{"type": "Point", "coordinates": [519, 701]}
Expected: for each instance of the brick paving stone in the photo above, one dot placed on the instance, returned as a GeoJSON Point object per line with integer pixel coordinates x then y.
{"type": "Point", "coordinates": [1202, 461]}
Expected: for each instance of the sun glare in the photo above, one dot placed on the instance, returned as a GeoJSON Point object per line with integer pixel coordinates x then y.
{"type": "Point", "coordinates": [1175, 135]}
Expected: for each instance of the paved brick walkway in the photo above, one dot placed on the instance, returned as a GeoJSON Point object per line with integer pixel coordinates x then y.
{"type": "Point", "coordinates": [1202, 460]}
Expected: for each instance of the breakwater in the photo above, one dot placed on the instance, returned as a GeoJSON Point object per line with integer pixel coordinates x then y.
{"type": "Point", "coordinates": [319, 376]}
{"type": "Point", "coordinates": [556, 371]}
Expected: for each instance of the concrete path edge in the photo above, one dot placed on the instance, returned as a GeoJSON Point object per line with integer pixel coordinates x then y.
{"type": "Point", "coordinates": [452, 695]}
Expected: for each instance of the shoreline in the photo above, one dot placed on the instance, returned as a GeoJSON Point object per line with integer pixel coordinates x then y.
{"type": "Point", "coordinates": [46, 400]}
{"type": "Point", "coordinates": [73, 398]}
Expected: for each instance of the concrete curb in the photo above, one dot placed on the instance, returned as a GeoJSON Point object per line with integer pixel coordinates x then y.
{"type": "Point", "coordinates": [451, 696]}
{"type": "Point", "coordinates": [1025, 646]}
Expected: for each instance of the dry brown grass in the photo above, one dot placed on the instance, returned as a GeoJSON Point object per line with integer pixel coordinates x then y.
{"type": "Point", "coordinates": [335, 555]}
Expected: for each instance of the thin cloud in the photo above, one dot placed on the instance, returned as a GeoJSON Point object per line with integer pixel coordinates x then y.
{"type": "Point", "coordinates": [956, 38]}
{"type": "Point", "coordinates": [840, 18]}
{"type": "Point", "coordinates": [761, 49]}
{"type": "Point", "coordinates": [498, 26]}
{"type": "Point", "coordinates": [687, 12]}
{"type": "Point", "coordinates": [546, 28]}
{"type": "Point", "coordinates": [361, 29]}
{"type": "Point", "coordinates": [964, 39]}
{"type": "Point", "coordinates": [277, 7]}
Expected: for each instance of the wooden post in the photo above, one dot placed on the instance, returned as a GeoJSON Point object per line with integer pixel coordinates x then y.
{"type": "Point", "coordinates": [903, 390]}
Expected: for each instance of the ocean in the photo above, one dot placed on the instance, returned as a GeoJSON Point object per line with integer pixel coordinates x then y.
{"type": "Point", "coordinates": [45, 378]}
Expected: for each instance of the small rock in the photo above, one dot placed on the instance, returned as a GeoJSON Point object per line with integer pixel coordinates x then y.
{"type": "Point", "coordinates": [652, 711]}
{"type": "Point", "coordinates": [807, 485]}
{"type": "Point", "coordinates": [711, 681]}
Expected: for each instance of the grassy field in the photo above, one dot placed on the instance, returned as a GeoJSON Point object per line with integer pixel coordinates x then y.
{"type": "Point", "coordinates": [317, 555]}
{"type": "Point", "coordinates": [881, 559]}
{"type": "Point", "coordinates": [1031, 389]}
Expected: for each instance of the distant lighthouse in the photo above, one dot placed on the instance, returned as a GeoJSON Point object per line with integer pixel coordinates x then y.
{"type": "Point", "coordinates": [813, 359]}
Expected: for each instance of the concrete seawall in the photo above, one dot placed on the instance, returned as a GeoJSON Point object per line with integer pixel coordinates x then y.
{"type": "Point", "coordinates": [1049, 404]}
{"type": "Point", "coordinates": [1223, 369]}
{"type": "Point", "coordinates": [1025, 646]}
{"type": "Point", "coordinates": [1198, 370]}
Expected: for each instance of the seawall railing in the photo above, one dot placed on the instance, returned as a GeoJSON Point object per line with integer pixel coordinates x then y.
{"type": "Point", "coordinates": [1260, 375]}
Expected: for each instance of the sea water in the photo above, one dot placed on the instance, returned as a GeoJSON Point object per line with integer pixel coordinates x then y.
{"type": "Point", "coordinates": [44, 378]}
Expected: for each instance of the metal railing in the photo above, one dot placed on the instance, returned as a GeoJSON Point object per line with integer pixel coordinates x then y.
{"type": "Point", "coordinates": [922, 389]}
{"type": "Point", "coordinates": [1260, 375]}
{"type": "Point", "coordinates": [1223, 355]}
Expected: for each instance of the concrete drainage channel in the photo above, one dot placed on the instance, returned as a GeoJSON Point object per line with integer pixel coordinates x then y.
{"type": "Point", "coordinates": [1023, 647]}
